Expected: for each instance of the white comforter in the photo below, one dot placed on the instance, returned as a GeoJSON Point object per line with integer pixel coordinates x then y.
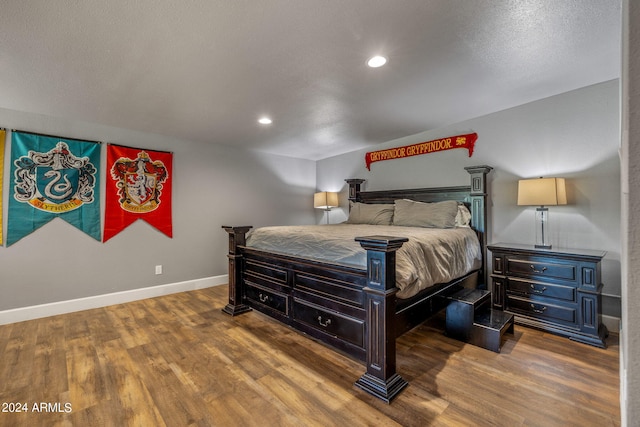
{"type": "Point", "coordinates": [431, 255]}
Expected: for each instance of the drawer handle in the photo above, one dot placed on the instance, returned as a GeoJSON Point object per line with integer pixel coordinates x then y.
{"type": "Point", "coordinates": [536, 290]}
{"type": "Point", "coordinates": [263, 298]}
{"type": "Point", "coordinates": [533, 268]}
{"type": "Point", "coordinates": [538, 310]}
{"type": "Point", "coordinates": [325, 324]}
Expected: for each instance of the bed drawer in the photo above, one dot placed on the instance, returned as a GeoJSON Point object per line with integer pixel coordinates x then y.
{"type": "Point", "coordinates": [309, 286]}
{"type": "Point", "coordinates": [266, 275]}
{"type": "Point", "coordinates": [267, 298]}
{"type": "Point", "coordinates": [329, 322]}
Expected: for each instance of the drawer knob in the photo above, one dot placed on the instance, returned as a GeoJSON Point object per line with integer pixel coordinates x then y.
{"type": "Point", "coordinates": [538, 310]}
{"type": "Point", "coordinates": [325, 323]}
{"type": "Point", "coordinates": [536, 290]}
{"type": "Point", "coordinates": [533, 268]}
{"type": "Point", "coordinates": [263, 298]}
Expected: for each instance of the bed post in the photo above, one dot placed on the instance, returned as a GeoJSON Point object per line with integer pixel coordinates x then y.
{"type": "Point", "coordinates": [354, 188]}
{"type": "Point", "coordinates": [381, 379]}
{"type": "Point", "coordinates": [479, 209]}
{"type": "Point", "coordinates": [237, 237]}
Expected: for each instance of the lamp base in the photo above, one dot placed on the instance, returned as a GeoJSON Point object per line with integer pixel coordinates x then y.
{"type": "Point", "coordinates": [542, 228]}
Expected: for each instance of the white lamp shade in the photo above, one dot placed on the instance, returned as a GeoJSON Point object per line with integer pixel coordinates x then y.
{"type": "Point", "coordinates": [542, 192]}
{"type": "Point", "coordinates": [325, 200]}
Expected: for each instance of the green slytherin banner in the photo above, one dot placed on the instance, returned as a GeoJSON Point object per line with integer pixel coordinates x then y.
{"type": "Point", "coordinates": [53, 177]}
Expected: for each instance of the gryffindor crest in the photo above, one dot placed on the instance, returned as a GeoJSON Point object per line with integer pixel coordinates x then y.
{"type": "Point", "coordinates": [139, 182]}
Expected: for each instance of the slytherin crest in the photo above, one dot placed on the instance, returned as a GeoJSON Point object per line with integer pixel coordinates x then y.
{"type": "Point", "coordinates": [55, 181]}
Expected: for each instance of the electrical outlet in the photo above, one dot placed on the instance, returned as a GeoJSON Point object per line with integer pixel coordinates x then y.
{"type": "Point", "coordinates": [158, 269]}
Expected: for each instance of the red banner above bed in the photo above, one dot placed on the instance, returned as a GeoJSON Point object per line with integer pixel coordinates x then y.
{"type": "Point", "coordinates": [459, 141]}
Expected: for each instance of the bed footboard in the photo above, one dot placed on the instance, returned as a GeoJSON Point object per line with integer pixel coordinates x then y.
{"type": "Point", "coordinates": [372, 302]}
{"type": "Point", "coordinates": [352, 309]}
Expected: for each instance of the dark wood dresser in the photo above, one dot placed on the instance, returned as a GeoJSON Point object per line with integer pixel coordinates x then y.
{"type": "Point", "coordinates": [556, 290]}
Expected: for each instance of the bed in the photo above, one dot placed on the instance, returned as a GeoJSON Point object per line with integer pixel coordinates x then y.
{"type": "Point", "coordinates": [356, 302]}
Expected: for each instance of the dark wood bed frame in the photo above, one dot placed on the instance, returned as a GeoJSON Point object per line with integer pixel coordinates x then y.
{"type": "Point", "coordinates": [353, 310]}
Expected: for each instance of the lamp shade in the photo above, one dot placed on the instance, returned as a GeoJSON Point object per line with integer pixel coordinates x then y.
{"type": "Point", "coordinates": [542, 192]}
{"type": "Point", "coordinates": [325, 200]}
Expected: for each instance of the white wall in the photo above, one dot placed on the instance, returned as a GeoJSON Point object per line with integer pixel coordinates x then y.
{"type": "Point", "coordinates": [213, 186]}
{"type": "Point", "coordinates": [573, 135]}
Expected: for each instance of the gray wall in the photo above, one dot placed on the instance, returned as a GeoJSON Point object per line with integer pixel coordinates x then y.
{"type": "Point", "coordinates": [573, 135]}
{"type": "Point", "coordinates": [213, 186]}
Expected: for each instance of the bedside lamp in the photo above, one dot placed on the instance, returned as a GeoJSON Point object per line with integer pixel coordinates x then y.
{"type": "Point", "coordinates": [325, 200]}
{"type": "Point", "coordinates": [542, 192]}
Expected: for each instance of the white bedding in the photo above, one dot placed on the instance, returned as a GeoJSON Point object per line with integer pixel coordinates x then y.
{"type": "Point", "coordinates": [432, 255]}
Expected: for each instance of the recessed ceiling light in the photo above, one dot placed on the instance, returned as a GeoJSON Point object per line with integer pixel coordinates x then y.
{"type": "Point", "coordinates": [265, 121]}
{"type": "Point", "coordinates": [377, 61]}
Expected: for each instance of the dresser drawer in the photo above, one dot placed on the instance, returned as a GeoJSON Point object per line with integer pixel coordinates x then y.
{"type": "Point", "coordinates": [542, 310]}
{"type": "Point", "coordinates": [268, 298]}
{"type": "Point", "coordinates": [535, 289]}
{"type": "Point", "coordinates": [329, 322]}
{"type": "Point", "coordinates": [542, 268]}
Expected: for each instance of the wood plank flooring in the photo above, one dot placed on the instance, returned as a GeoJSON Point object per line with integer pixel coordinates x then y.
{"type": "Point", "coordinates": [177, 360]}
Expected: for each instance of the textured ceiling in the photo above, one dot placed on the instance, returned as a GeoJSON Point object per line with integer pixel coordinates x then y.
{"type": "Point", "coordinates": [205, 70]}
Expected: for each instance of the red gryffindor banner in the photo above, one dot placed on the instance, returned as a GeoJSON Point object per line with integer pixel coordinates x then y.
{"type": "Point", "coordinates": [460, 141]}
{"type": "Point", "coordinates": [140, 188]}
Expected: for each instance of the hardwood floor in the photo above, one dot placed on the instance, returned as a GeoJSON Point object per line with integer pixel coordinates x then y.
{"type": "Point", "coordinates": [177, 360]}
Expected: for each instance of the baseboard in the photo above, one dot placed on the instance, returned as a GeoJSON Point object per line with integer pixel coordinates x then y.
{"type": "Point", "coordinates": [70, 306]}
{"type": "Point", "coordinates": [612, 324]}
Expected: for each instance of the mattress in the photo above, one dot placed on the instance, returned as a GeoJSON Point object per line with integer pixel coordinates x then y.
{"type": "Point", "coordinates": [431, 256]}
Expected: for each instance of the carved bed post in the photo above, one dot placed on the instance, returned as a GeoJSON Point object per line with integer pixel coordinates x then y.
{"type": "Point", "coordinates": [237, 237]}
{"type": "Point", "coordinates": [354, 188]}
{"type": "Point", "coordinates": [381, 379]}
{"type": "Point", "coordinates": [479, 208]}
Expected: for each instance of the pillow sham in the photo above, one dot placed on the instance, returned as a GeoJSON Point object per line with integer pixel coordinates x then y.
{"type": "Point", "coordinates": [409, 213]}
{"type": "Point", "coordinates": [374, 214]}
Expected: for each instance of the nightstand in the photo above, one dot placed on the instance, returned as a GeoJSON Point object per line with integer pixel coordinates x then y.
{"type": "Point", "coordinates": [556, 290]}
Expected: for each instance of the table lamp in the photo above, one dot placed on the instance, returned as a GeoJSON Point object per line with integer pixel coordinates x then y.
{"type": "Point", "coordinates": [542, 192]}
{"type": "Point", "coordinates": [325, 200]}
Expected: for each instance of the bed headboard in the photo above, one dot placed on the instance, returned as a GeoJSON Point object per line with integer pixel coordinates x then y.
{"type": "Point", "coordinates": [473, 195]}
